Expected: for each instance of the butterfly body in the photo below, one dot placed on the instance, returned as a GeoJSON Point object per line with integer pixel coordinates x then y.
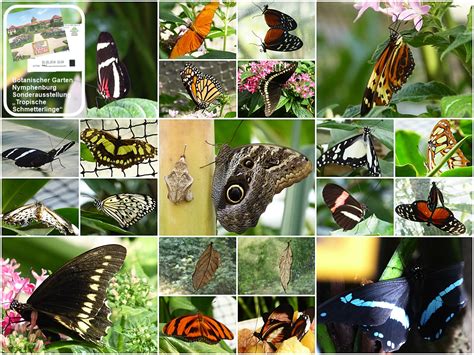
{"type": "Point", "coordinates": [202, 88]}
{"type": "Point", "coordinates": [278, 19]}
{"type": "Point", "coordinates": [345, 209]}
{"type": "Point", "coordinates": [270, 86]}
{"type": "Point", "coordinates": [246, 178]}
{"type": "Point", "coordinates": [113, 81]}
{"type": "Point", "coordinates": [72, 301]}
{"type": "Point", "coordinates": [392, 69]}
{"type": "Point", "coordinates": [355, 152]}
{"type": "Point", "coordinates": [194, 36]}
{"type": "Point", "coordinates": [278, 37]}
{"type": "Point", "coordinates": [441, 142]}
{"type": "Point", "coordinates": [38, 212]}
{"type": "Point", "coordinates": [198, 327]}
{"type": "Point", "coordinates": [113, 151]}
{"type": "Point", "coordinates": [32, 157]}
{"type": "Point", "coordinates": [126, 209]}
{"type": "Point", "coordinates": [386, 310]}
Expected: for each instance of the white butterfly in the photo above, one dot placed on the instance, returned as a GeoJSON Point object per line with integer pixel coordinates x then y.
{"type": "Point", "coordinates": [38, 212]}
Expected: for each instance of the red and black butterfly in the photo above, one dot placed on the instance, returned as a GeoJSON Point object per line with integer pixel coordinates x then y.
{"type": "Point", "coordinates": [278, 37]}
{"type": "Point", "coordinates": [428, 212]}
{"type": "Point", "coordinates": [345, 209]}
{"type": "Point", "coordinates": [113, 82]}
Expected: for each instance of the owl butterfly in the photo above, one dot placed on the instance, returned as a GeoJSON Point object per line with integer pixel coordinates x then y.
{"type": "Point", "coordinates": [247, 177]}
{"type": "Point", "coordinates": [441, 142]}
{"type": "Point", "coordinates": [391, 71]}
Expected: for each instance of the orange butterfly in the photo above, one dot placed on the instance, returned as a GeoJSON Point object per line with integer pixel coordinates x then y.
{"type": "Point", "coordinates": [198, 327]}
{"type": "Point", "coordinates": [391, 71]}
{"type": "Point", "coordinates": [196, 33]}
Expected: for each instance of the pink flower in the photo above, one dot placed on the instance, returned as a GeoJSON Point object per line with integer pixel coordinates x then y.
{"type": "Point", "coordinates": [364, 5]}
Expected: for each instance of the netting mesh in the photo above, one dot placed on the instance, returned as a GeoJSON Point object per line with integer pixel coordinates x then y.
{"type": "Point", "coordinates": [58, 193]}
{"type": "Point", "coordinates": [146, 130]}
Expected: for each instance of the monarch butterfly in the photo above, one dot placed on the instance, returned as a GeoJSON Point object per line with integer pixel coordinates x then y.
{"type": "Point", "coordinates": [38, 212]}
{"type": "Point", "coordinates": [202, 88]}
{"type": "Point", "coordinates": [270, 86]}
{"type": "Point", "coordinates": [113, 81]}
{"type": "Point", "coordinates": [277, 37]}
{"type": "Point", "coordinates": [345, 209]}
{"type": "Point", "coordinates": [355, 152]}
{"type": "Point", "coordinates": [126, 209]}
{"type": "Point", "coordinates": [441, 142]}
{"type": "Point", "coordinates": [197, 31]}
{"type": "Point", "coordinates": [72, 301]}
{"type": "Point", "coordinates": [114, 151]}
{"type": "Point", "coordinates": [198, 327]}
{"type": "Point", "coordinates": [391, 71]}
{"type": "Point", "coordinates": [428, 212]}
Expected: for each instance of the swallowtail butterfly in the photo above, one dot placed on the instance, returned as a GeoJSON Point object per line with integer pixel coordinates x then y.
{"type": "Point", "coordinates": [355, 152]}
{"type": "Point", "coordinates": [198, 327]}
{"type": "Point", "coordinates": [270, 86]}
{"type": "Point", "coordinates": [392, 69]}
{"type": "Point", "coordinates": [277, 37]}
{"type": "Point", "coordinates": [428, 212]}
{"type": "Point", "coordinates": [32, 157]}
{"type": "Point", "coordinates": [441, 142]}
{"type": "Point", "coordinates": [113, 82]}
{"type": "Point", "coordinates": [126, 209]}
{"type": "Point", "coordinates": [114, 151]}
{"type": "Point", "coordinates": [345, 209]}
{"type": "Point", "coordinates": [72, 301]}
{"type": "Point", "coordinates": [37, 212]}
{"type": "Point", "coordinates": [386, 310]}
{"type": "Point", "coordinates": [202, 88]}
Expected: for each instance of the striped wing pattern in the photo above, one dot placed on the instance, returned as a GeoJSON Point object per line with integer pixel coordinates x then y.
{"type": "Point", "coordinates": [32, 157]}
{"type": "Point", "coordinates": [202, 88]}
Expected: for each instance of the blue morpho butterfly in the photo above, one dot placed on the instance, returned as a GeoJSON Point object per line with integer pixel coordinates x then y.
{"type": "Point", "coordinates": [387, 310]}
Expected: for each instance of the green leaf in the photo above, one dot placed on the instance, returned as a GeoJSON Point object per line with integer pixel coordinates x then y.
{"type": "Point", "coordinates": [16, 192]}
{"type": "Point", "coordinates": [86, 154]}
{"type": "Point", "coordinates": [460, 40]}
{"type": "Point", "coordinates": [126, 108]}
{"type": "Point", "coordinates": [456, 106]}
{"type": "Point", "coordinates": [418, 92]}
{"type": "Point", "coordinates": [177, 346]}
{"type": "Point", "coordinates": [98, 225]}
{"type": "Point", "coordinates": [407, 152]}
{"type": "Point", "coordinates": [369, 226]}
{"type": "Point", "coordinates": [465, 171]}
{"type": "Point", "coordinates": [406, 170]}
{"type": "Point", "coordinates": [213, 54]}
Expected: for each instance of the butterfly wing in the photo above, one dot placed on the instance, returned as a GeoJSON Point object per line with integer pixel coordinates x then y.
{"type": "Point", "coordinates": [277, 326]}
{"type": "Point", "coordinates": [126, 209]}
{"type": "Point", "coordinates": [270, 87]}
{"type": "Point", "coordinates": [443, 297]}
{"type": "Point", "coordinates": [434, 197]}
{"type": "Point", "coordinates": [202, 88]}
{"type": "Point", "coordinates": [379, 308]}
{"type": "Point", "coordinates": [73, 298]}
{"type": "Point", "coordinates": [372, 160]}
{"type": "Point", "coordinates": [345, 209]}
{"type": "Point", "coordinates": [302, 324]}
{"type": "Point", "coordinates": [52, 219]}
{"type": "Point", "coordinates": [28, 157]}
{"type": "Point", "coordinates": [391, 71]}
{"type": "Point", "coordinates": [21, 216]}
{"type": "Point", "coordinates": [278, 19]}
{"type": "Point", "coordinates": [198, 31]}
{"type": "Point", "coordinates": [246, 179]}
{"type": "Point", "coordinates": [111, 151]}
{"type": "Point", "coordinates": [280, 40]}
{"type": "Point", "coordinates": [441, 142]}
{"type": "Point", "coordinates": [113, 81]}
{"type": "Point", "coordinates": [198, 327]}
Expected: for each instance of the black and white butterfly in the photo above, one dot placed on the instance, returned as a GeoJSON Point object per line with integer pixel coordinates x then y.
{"type": "Point", "coordinates": [113, 82]}
{"type": "Point", "coordinates": [38, 212]}
{"type": "Point", "coordinates": [32, 157]}
{"type": "Point", "coordinates": [355, 152]}
{"type": "Point", "coordinates": [270, 86]}
{"type": "Point", "coordinates": [387, 310]}
{"type": "Point", "coordinates": [126, 209]}
{"type": "Point", "coordinates": [73, 300]}
{"type": "Point", "coordinates": [345, 209]}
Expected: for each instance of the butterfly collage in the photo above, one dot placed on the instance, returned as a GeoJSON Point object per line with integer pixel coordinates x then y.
{"type": "Point", "coordinates": [246, 177]}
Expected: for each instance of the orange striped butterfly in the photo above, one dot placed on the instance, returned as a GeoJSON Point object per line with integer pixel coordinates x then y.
{"type": "Point", "coordinates": [196, 33]}
{"type": "Point", "coordinates": [391, 71]}
{"type": "Point", "coordinates": [441, 142]}
{"type": "Point", "coordinates": [202, 88]}
{"type": "Point", "coordinates": [198, 327]}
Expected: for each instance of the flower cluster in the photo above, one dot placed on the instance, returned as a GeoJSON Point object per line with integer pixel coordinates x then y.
{"type": "Point", "coordinates": [127, 289]}
{"type": "Point", "coordinates": [302, 85]}
{"type": "Point", "coordinates": [403, 10]}
{"type": "Point", "coordinates": [16, 336]}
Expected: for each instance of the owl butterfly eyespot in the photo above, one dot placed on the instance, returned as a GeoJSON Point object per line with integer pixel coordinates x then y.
{"type": "Point", "coordinates": [247, 177]}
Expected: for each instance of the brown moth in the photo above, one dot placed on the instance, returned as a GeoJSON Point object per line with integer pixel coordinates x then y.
{"type": "Point", "coordinates": [179, 182]}
{"type": "Point", "coordinates": [247, 177]}
{"type": "Point", "coordinates": [206, 267]}
{"type": "Point", "coordinates": [286, 259]}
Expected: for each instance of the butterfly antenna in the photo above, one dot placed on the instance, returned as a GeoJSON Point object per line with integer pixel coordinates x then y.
{"type": "Point", "coordinates": [184, 151]}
